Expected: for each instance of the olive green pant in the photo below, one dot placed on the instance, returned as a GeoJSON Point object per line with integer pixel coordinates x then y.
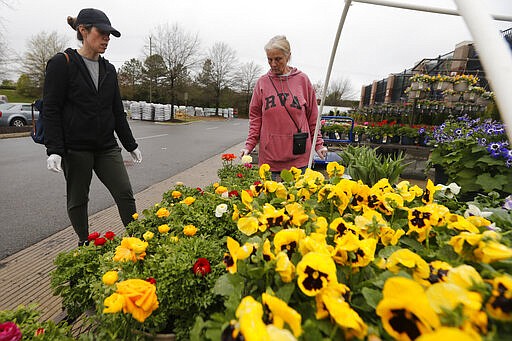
{"type": "Point", "coordinates": [108, 166]}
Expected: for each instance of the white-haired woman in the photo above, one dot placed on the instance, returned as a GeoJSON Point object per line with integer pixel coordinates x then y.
{"type": "Point", "coordinates": [283, 113]}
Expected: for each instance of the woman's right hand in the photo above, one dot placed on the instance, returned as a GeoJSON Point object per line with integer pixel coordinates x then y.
{"type": "Point", "coordinates": [243, 152]}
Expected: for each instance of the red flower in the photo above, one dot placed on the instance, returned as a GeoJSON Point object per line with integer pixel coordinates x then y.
{"type": "Point", "coordinates": [228, 157]}
{"type": "Point", "coordinates": [199, 190]}
{"type": "Point", "coordinates": [233, 193]}
{"type": "Point", "coordinates": [39, 331]}
{"type": "Point", "coordinates": [110, 235]}
{"type": "Point", "coordinates": [151, 280]}
{"type": "Point", "coordinates": [93, 236]}
{"type": "Point", "coordinates": [240, 175]}
{"type": "Point", "coordinates": [202, 267]}
{"type": "Point", "coordinates": [256, 183]}
{"type": "Point", "coordinates": [99, 241]}
{"type": "Point", "coordinates": [248, 166]}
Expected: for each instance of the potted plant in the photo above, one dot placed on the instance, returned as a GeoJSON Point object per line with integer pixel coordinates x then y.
{"type": "Point", "coordinates": [408, 135]}
{"type": "Point", "coordinates": [451, 95]}
{"type": "Point", "coordinates": [474, 154]}
{"type": "Point", "coordinates": [420, 82]}
{"type": "Point", "coordinates": [462, 82]}
{"type": "Point", "coordinates": [442, 82]}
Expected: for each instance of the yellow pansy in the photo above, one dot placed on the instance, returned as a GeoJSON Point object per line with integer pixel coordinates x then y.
{"type": "Point", "coordinates": [284, 267]}
{"type": "Point", "coordinates": [498, 306]}
{"type": "Point", "coordinates": [263, 172]}
{"type": "Point", "coordinates": [448, 334]}
{"type": "Point", "coordinates": [250, 317]}
{"type": "Point", "coordinates": [405, 311]}
{"type": "Point", "coordinates": [281, 313]}
{"type": "Point", "coordinates": [315, 271]}
{"type": "Point", "coordinates": [288, 240]}
{"type": "Point", "coordinates": [248, 225]}
{"type": "Point", "coordinates": [330, 302]}
{"type": "Point", "coordinates": [334, 169]}
{"type": "Point", "coordinates": [406, 259]}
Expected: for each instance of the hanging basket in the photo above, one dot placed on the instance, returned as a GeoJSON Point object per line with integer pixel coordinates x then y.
{"type": "Point", "coordinates": [419, 85]}
{"type": "Point", "coordinates": [461, 86]}
{"type": "Point", "coordinates": [470, 96]}
{"type": "Point", "coordinates": [452, 97]}
{"type": "Point", "coordinates": [442, 85]}
{"type": "Point", "coordinates": [416, 94]}
{"type": "Point", "coordinates": [482, 101]}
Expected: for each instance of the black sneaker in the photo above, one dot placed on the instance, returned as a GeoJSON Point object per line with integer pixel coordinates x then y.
{"type": "Point", "coordinates": [83, 243]}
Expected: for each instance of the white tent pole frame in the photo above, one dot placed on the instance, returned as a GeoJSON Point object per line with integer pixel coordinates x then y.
{"type": "Point", "coordinates": [425, 8]}
{"type": "Point", "coordinates": [495, 55]}
{"type": "Point", "coordinates": [327, 77]}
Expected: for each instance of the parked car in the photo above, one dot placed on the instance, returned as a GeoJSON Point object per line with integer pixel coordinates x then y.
{"type": "Point", "coordinates": [16, 114]}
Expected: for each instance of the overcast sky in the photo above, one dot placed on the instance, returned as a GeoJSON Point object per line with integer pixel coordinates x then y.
{"type": "Point", "coordinates": [375, 41]}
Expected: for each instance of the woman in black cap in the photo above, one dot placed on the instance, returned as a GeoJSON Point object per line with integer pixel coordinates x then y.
{"type": "Point", "coordinates": [82, 110]}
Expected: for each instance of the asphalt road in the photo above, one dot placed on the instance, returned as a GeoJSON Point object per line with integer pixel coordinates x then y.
{"type": "Point", "coordinates": [32, 199]}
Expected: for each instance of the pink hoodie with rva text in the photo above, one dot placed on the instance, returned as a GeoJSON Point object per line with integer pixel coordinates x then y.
{"type": "Point", "coordinates": [271, 126]}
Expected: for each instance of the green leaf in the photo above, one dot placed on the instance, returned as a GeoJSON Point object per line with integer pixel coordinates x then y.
{"type": "Point", "coordinates": [372, 296]}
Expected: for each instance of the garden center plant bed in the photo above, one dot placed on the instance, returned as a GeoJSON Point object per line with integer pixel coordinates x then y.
{"type": "Point", "coordinates": [326, 255]}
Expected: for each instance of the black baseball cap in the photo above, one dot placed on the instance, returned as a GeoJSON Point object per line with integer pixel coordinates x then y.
{"type": "Point", "coordinates": [98, 19]}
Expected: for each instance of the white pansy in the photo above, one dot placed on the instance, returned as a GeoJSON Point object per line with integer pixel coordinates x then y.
{"type": "Point", "coordinates": [475, 211]}
{"type": "Point", "coordinates": [246, 159]}
{"type": "Point", "coordinates": [220, 210]}
{"type": "Point", "coordinates": [450, 190]}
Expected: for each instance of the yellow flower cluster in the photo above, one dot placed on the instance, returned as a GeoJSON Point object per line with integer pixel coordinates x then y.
{"type": "Point", "coordinates": [311, 249]}
{"type": "Point", "coordinates": [133, 296]}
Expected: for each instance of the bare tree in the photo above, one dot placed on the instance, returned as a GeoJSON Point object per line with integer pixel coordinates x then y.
{"type": "Point", "coordinates": [40, 48]}
{"type": "Point", "coordinates": [339, 90]}
{"type": "Point", "coordinates": [224, 63]}
{"type": "Point", "coordinates": [246, 78]}
{"type": "Point", "coordinates": [180, 52]}
{"type": "Point", "coordinates": [4, 50]}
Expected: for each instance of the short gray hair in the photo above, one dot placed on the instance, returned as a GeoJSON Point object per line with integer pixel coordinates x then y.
{"type": "Point", "coordinates": [279, 42]}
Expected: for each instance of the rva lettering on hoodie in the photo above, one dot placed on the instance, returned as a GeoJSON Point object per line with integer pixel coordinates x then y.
{"type": "Point", "coordinates": [270, 101]}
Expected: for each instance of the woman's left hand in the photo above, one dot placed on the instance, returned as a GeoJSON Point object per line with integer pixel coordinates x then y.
{"type": "Point", "coordinates": [322, 152]}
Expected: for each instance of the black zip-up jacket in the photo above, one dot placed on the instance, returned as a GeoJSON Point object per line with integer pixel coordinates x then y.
{"type": "Point", "coordinates": [76, 115]}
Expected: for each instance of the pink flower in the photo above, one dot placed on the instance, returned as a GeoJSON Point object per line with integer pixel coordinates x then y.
{"type": "Point", "coordinates": [9, 331]}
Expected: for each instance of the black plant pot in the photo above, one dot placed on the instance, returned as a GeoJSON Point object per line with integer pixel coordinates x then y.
{"type": "Point", "coordinates": [440, 176]}
{"type": "Point", "coordinates": [406, 140]}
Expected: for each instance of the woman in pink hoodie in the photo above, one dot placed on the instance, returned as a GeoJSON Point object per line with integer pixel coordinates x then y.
{"type": "Point", "coordinates": [283, 103]}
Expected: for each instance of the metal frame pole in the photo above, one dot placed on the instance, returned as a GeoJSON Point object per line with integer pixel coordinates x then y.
{"type": "Point", "coordinates": [495, 55]}
{"type": "Point", "coordinates": [327, 77]}
{"type": "Point", "coordinates": [424, 8]}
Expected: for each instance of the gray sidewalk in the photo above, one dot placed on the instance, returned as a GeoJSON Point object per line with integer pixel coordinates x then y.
{"type": "Point", "coordinates": [25, 275]}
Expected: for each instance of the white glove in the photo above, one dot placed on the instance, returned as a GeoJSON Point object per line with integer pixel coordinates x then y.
{"type": "Point", "coordinates": [136, 155]}
{"type": "Point", "coordinates": [322, 152]}
{"type": "Point", "coordinates": [53, 163]}
{"type": "Point", "coordinates": [243, 152]}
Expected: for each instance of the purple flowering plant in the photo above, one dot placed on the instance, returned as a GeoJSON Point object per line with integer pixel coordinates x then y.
{"type": "Point", "coordinates": [474, 153]}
